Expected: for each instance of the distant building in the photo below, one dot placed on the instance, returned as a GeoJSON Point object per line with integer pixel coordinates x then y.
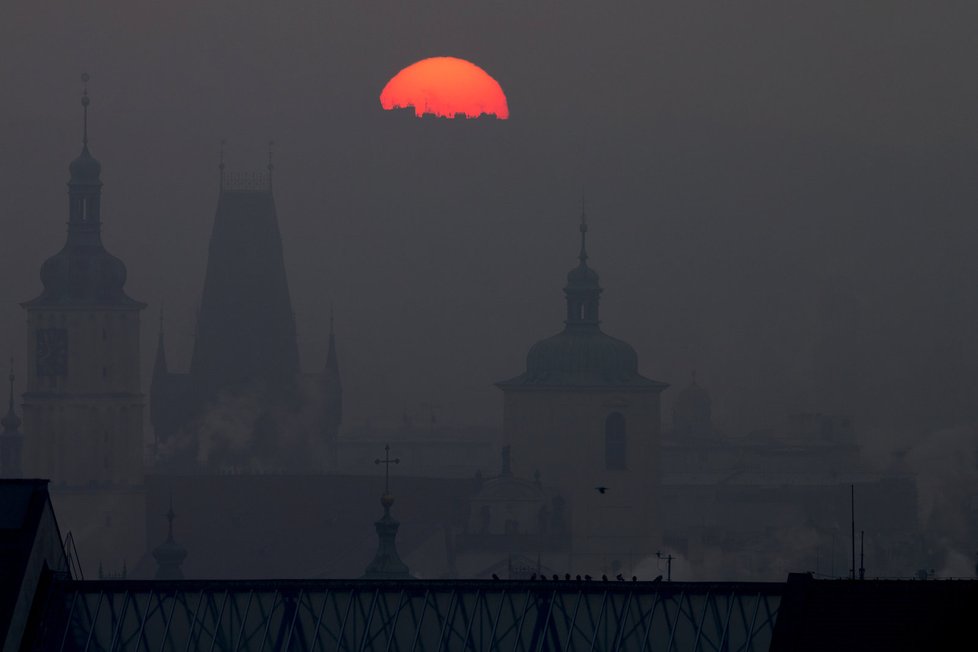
{"type": "Point", "coordinates": [582, 416]}
{"type": "Point", "coordinates": [244, 404]}
{"type": "Point", "coordinates": [83, 403]}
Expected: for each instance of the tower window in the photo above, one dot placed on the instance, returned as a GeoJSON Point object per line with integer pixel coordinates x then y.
{"type": "Point", "coordinates": [614, 442]}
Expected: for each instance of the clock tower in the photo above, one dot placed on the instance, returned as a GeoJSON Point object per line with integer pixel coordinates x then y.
{"type": "Point", "coordinates": [83, 406]}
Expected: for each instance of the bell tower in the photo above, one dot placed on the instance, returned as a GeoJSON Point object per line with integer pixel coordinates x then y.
{"type": "Point", "coordinates": [83, 404]}
{"type": "Point", "coordinates": [583, 417]}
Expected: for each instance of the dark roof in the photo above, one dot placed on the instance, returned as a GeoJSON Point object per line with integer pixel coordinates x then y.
{"type": "Point", "coordinates": [22, 505]}
{"type": "Point", "coordinates": [582, 357]}
{"type": "Point", "coordinates": [875, 614]}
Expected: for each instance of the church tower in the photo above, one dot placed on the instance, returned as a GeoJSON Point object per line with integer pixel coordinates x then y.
{"type": "Point", "coordinates": [83, 405]}
{"type": "Point", "coordinates": [583, 417]}
{"type": "Point", "coordinates": [246, 339]}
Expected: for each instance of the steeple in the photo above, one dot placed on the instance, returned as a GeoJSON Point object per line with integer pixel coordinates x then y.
{"type": "Point", "coordinates": [85, 185]}
{"type": "Point", "coordinates": [332, 387]}
{"type": "Point", "coordinates": [582, 291]}
{"type": "Point", "coordinates": [11, 439]}
{"type": "Point", "coordinates": [83, 272]}
{"type": "Point", "coordinates": [387, 565]}
{"type": "Point", "coordinates": [169, 554]}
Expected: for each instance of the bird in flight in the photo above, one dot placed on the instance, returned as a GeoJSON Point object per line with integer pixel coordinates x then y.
{"type": "Point", "coordinates": [601, 490]}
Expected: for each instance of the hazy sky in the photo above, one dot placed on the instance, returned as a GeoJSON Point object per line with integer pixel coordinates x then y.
{"type": "Point", "coordinates": [782, 194]}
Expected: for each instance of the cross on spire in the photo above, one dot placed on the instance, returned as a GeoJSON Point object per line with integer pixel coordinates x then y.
{"type": "Point", "coordinates": [387, 461]}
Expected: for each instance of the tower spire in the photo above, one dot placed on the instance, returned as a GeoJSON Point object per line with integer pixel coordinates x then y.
{"type": "Point", "coordinates": [11, 439]}
{"type": "Point", "coordinates": [85, 102]}
{"type": "Point", "coordinates": [387, 563]}
{"type": "Point", "coordinates": [583, 255]}
{"type": "Point", "coordinates": [11, 422]}
{"type": "Point", "coordinates": [220, 164]}
{"type": "Point", "coordinates": [271, 166]}
{"type": "Point", "coordinates": [169, 554]}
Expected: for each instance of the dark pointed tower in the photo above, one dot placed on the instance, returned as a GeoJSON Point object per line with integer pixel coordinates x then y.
{"type": "Point", "coordinates": [169, 554]}
{"type": "Point", "coordinates": [387, 564]}
{"type": "Point", "coordinates": [83, 402]}
{"type": "Point", "coordinates": [246, 339]}
{"type": "Point", "coordinates": [582, 410]}
{"type": "Point", "coordinates": [11, 439]}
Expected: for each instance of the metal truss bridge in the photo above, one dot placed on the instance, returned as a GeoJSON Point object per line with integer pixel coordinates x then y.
{"type": "Point", "coordinates": [413, 615]}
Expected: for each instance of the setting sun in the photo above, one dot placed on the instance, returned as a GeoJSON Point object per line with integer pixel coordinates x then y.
{"type": "Point", "coordinates": [445, 87]}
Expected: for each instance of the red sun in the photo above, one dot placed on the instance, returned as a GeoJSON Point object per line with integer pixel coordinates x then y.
{"type": "Point", "coordinates": [445, 87]}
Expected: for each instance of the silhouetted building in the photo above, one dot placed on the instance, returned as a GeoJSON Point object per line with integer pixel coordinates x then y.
{"type": "Point", "coordinates": [11, 439]}
{"type": "Point", "coordinates": [244, 382]}
{"type": "Point", "coordinates": [83, 403]}
{"type": "Point", "coordinates": [581, 413]}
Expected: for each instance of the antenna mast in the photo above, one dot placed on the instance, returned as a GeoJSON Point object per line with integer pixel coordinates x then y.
{"type": "Point", "coordinates": [852, 511]}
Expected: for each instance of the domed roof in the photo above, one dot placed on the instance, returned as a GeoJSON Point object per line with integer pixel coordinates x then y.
{"type": "Point", "coordinates": [85, 170]}
{"type": "Point", "coordinates": [83, 274]}
{"type": "Point", "coordinates": [577, 356]}
{"type": "Point", "coordinates": [581, 355]}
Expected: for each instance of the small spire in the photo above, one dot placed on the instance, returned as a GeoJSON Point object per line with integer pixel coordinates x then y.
{"type": "Point", "coordinates": [271, 166]}
{"type": "Point", "coordinates": [220, 164]}
{"type": "Point", "coordinates": [583, 255]}
{"type": "Point", "coordinates": [169, 517]}
{"type": "Point", "coordinates": [11, 422]}
{"type": "Point", "coordinates": [85, 102]}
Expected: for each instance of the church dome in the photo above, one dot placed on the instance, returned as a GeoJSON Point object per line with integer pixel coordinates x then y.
{"type": "Point", "coordinates": [86, 274]}
{"type": "Point", "coordinates": [581, 356]}
{"type": "Point", "coordinates": [85, 170]}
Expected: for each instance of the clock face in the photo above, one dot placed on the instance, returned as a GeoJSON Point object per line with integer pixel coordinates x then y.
{"type": "Point", "coordinates": [52, 352]}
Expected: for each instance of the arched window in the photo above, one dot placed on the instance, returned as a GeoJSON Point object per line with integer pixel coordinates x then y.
{"type": "Point", "coordinates": [614, 442]}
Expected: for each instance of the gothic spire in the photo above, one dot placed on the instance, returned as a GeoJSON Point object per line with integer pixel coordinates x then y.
{"type": "Point", "coordinates": [11, 439]}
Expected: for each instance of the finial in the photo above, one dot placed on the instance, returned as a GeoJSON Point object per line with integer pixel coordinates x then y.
{"type": "Point", "coordinates": [583, 255]}
{"type": "Point", "coordinates": [169, 517]}
{"type": "Point", "coordinates": [85, 102]}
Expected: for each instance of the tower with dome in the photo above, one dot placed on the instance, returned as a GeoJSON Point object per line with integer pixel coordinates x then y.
{"type": "Point", "coordinates": [584, 417]}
